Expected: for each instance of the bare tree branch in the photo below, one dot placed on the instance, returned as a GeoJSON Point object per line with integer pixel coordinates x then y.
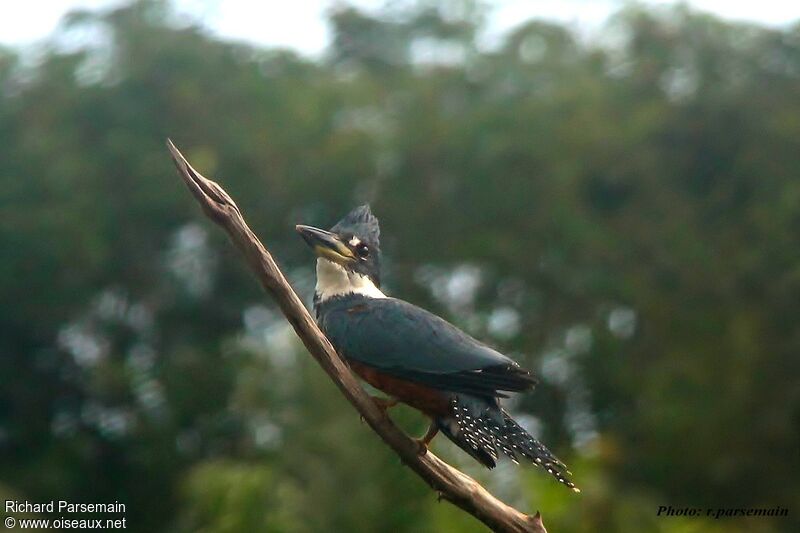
{"type": "Point", "coordinates": [451, 484]}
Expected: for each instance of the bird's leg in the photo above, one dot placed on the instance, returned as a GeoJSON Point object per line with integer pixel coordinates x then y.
{"type": "Point", "coordinates": [384, 403]}
{"type": "Point", "coordinates": [426, 439]}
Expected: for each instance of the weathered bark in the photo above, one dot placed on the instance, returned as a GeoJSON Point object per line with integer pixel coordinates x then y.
{"type": "Point", "coordinates": [450, 484]}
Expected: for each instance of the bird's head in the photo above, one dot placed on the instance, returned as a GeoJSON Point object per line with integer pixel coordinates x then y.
{"type": "Point", "coordinates": [353, 243]}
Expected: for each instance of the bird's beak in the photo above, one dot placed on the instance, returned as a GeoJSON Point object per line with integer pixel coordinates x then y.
{"type": "Point", "coordinates": [326, 244]}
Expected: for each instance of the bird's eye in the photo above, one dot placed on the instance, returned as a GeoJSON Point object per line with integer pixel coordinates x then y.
{"type": "Point", "coordinates": [362, 250]}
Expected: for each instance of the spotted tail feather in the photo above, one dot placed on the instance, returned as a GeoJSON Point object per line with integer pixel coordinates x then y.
{"type": "Point", "coordinates": [484, 430]}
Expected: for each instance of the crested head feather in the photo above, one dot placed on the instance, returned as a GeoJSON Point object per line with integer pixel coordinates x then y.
{"type": "Point", "coordinates": [361, 223]}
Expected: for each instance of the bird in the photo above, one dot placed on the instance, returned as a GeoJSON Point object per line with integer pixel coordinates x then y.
{"type": "Point", "coordinates": [414, 356]}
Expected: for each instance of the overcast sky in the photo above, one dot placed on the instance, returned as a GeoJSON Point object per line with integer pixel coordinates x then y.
{"type": "Point", "coordinates": [300, 24]}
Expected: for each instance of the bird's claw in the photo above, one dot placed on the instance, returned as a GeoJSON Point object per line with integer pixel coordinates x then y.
{"type": "Point", "coordinates": [383, 404]}
{"type": "Point", "coordinates": [422, 447]}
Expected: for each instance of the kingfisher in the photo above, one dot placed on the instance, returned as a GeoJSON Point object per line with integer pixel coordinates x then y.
{"type": "Point", "coordinates": [414, 356]}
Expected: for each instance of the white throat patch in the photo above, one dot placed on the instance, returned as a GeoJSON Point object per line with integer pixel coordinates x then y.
{"type": "Point", "coordinates": [334, 280]}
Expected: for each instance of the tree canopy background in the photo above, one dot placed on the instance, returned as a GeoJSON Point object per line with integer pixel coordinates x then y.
{"type": "Point", "coordinates": [621, 214]}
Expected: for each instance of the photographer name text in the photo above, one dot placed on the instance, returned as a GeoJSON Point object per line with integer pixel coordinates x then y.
{"type": "Point", "coordinates": [62, 506]}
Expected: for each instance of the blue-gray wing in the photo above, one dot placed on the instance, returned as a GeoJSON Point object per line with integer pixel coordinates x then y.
{"type": "Point", "coordinates": [408, 342]}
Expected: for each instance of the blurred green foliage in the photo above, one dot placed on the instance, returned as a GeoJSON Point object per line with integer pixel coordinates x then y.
{"type": "Point", "coordinates": [621, 214]}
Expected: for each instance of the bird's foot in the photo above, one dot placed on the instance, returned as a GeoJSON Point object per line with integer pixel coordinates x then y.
{"type": "Point", "coordinates": [384, 404]}
{"type": "Point", "coordinates": [422, 442]}
{"type": "Point", "coordinates": [422, 446]}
